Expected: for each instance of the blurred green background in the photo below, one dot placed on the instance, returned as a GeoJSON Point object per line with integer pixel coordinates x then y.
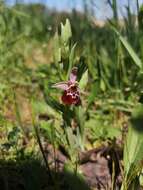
{"type": "Point", "coordinates": [104, 39]}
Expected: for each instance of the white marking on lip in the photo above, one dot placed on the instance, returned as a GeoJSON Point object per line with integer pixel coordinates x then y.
{"type": "Point", "coordinates": [69, 94]}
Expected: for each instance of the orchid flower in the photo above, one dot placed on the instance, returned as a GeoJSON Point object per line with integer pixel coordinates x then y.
{"type": "Point", "coordinates": [71, 94]}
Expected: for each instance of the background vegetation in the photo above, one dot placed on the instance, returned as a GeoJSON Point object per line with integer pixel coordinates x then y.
{"type": "Point", "coordinates": [97, 145]}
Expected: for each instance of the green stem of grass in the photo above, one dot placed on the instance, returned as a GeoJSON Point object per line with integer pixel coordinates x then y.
{"type": "Point", "coordinates": [42, 150]}
{"type": "Point", "coordinates": [41, 147]}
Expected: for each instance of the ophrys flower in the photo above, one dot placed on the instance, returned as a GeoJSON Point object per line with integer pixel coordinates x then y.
{"type": "Point", "coordinates": [71, 94]}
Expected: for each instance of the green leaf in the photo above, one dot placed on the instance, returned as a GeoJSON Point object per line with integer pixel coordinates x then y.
{"type": "Point", "coordinates": [80, 118]}
{"type": "Point", "coordinates": [71, 60]}
{"type": "Point", "coordinates": [54, 104]}
{"type": "Point", "coordinates": [71, 137]}
{"type": "Point", "coordinates": [84, 80]}
{"type": "Point", "coordinates": [130, 50]}
{"type": "Point", "coordinates": [82, 67]}
{"type": "Point", "coordinates": [133, 151]}
{"type": "Point", "coordinates": [57, 49]}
